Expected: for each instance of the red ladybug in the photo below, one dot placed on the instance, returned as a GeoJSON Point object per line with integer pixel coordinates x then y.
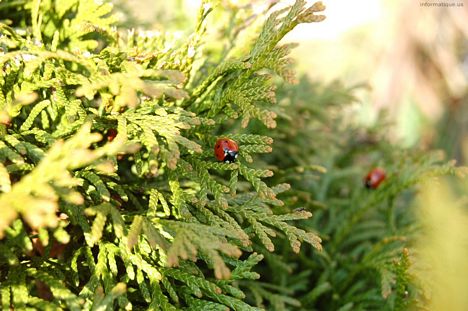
{"type": "Point", "coordinates": [111, 133]}
{"type": "Point", "coordinates": [226, 150]}
{"type": "Point", "coordinates": [374, 178]}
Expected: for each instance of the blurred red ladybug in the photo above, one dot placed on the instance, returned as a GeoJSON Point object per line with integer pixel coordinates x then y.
{"type": "Point", "coordinates": [111, 134]}
{"type": "Point", "coordinates": [226, 150]}
{"type": "Point", "coordinates": [374, 178]}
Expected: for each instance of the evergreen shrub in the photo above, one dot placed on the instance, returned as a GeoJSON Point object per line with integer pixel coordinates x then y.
{"type": "Point", "coordinates": [111, 197]}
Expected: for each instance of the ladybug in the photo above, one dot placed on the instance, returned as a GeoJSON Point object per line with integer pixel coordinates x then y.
{"type": "Point", "coordinates": [226, 150]}
{"type": "Point", "coordinates": [374, 178]}
{"type": "Point", "coordinates": [111, 134]}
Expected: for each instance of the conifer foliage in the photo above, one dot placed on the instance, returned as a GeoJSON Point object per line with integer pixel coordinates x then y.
{"type": "Point", "coordinates": [111, 197]}
{"type": "Point", "coordinates": [367, 261]}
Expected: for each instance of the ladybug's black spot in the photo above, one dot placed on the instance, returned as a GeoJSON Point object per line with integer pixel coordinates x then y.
{"type": "Point", "coordinates": [226, 141]}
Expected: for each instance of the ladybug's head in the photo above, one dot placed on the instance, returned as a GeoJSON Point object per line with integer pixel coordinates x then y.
{"type": "Point", "coordinates": [230, 156]}
{"type": "Point", "coordinates": [368, 183]}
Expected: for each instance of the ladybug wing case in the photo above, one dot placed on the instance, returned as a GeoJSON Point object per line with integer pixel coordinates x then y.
{"type": "Point", "coordinates": [226, 150]}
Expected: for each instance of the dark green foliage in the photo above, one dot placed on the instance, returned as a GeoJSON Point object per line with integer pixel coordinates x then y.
{"type": "Point", "coordinates": [364, 264]}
